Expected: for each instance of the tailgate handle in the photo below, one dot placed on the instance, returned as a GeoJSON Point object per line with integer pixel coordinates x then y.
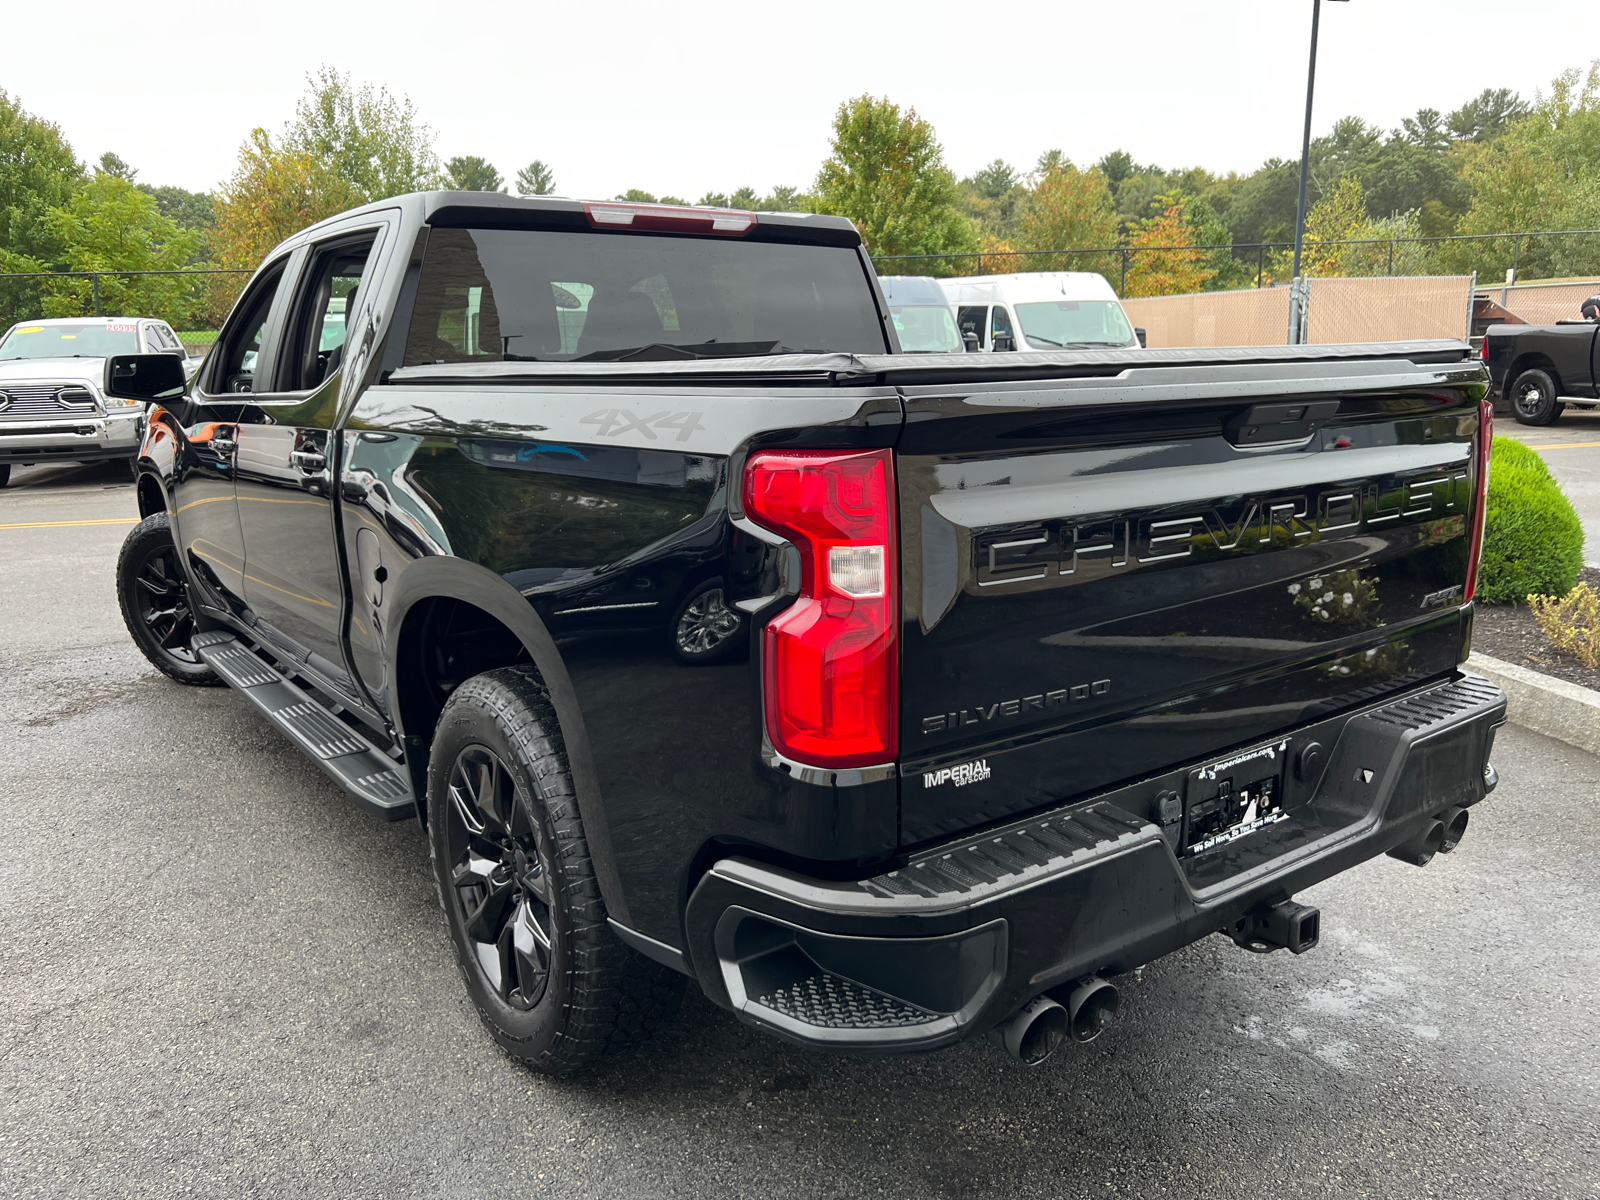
{"type": "Point", "coordinates": [1262, 424]}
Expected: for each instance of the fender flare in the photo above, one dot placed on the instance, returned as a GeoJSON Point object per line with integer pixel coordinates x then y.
{"type": "Point", "coordinates": [448, 578]}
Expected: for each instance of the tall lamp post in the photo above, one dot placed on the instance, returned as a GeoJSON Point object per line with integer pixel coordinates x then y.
{"type": "Point", "coordinates": [1298, 294]}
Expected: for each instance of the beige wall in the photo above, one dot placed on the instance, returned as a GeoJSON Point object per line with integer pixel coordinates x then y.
{"type": "Point", "coordinates": [1256, 317]}
{"type": "Point", "coordinates": [1341, 310]}
{"type": "Point", "coordinates": [1547, 303]}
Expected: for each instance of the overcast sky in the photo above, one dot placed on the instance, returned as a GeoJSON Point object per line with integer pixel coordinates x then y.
{"type": "Point", "coordinates": [685, 97]}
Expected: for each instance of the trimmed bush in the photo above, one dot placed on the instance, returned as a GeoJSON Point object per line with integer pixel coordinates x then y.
{"type": "Point", "coordinates": [1533, 540]}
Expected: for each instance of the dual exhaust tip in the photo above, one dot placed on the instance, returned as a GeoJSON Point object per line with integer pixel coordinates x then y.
{"type": "Point", "coordinates": [1083, 1010]}
{"type": "Point", "coordinates": [1439, 836]}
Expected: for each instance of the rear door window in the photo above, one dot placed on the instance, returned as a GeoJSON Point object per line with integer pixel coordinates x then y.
{"type": "Point", "coordinates": [519, 295]}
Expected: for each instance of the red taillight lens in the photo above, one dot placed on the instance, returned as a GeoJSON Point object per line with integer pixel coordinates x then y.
{"type": "Point", "coordinates": [1480, 499]}
{"type": "Point", "coordinates": [669, 218]}
{"type": "Point", "coordinates": [831, 662]}
{"type": "Point", "coordinates": [1483, 348]}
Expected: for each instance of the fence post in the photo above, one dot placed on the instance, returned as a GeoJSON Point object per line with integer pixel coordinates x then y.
{"type": "Point", "coordinates": [95, 280]}
{"type": "Point", "coordinates": [1261, 262]}
{"type": "Point", "coordinates": [1122, 288]}
{"type": "Point", "coordinates": [1516, 256]}
{"type": "Point", "coordinates": [1472, 296]}
{"type": "Point", "coordinates": [1391, 257]}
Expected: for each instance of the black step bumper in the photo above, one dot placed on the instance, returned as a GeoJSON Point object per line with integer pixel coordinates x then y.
{"type": "Point", "coordinates": [968, 932]}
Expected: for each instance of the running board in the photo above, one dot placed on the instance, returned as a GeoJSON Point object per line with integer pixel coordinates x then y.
{"type": "Point", "coordinates": [1578, 401]}
{"type": "Point", "coordinates": [371, 777]}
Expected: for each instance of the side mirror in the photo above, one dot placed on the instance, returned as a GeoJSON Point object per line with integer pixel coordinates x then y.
{"type": "Point", "coordinates": [1138, 332]}
{"type": "Point", "coordinates": [1004, 341]}
{"type": "Point", "coordinates": [143, 377]}
{"type": "Point", "coordinates": [970, 341]}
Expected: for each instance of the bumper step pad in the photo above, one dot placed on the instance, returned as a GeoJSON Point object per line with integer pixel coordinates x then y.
{"type": "Point", "coordinates": [369, 775]}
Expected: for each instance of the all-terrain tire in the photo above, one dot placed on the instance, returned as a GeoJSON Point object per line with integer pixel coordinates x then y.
{"type": "Point", "coordinates": [1533, 398]}
{"type": "Point", "coordinates": [552, 983]}
{"type": "Point", "coordinates": [153, 594]}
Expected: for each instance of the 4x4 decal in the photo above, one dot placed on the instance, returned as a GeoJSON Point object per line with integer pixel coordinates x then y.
{"type": "Point", "coordinates": [614, 422]}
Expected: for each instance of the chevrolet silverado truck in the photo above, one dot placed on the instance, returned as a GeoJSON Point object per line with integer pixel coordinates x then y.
{"type": "Point", "coordinates": [51, 405]}
{"type": "Point", "coordinates": [892, 698]}
{"type": "Point", "coordinates": [1538, 371]}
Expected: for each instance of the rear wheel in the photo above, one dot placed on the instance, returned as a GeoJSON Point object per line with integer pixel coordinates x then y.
{"type": "Point", "coordinates": [1533, 398]}
{"type": "Point", "coordinates": [550, 980]}
{"type": "Point", "coordinates": [154, 597]}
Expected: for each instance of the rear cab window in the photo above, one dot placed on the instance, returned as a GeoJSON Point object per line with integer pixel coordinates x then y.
{"type": "Point", "coordinates": [527, 295]}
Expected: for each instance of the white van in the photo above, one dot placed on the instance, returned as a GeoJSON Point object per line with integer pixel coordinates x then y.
{"type": "Point", "coordinates": [1038, 310]}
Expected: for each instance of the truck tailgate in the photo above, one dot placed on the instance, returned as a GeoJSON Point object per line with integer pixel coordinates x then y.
{"type": "Point", "coordinates": [1108, 575]}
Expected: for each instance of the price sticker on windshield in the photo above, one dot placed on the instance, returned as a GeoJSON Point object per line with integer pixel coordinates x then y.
{"type": "Point", "coordinates": [122, 329]}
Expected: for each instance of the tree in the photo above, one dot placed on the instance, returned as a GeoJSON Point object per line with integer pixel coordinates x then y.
{"type": "Point", "coordinates": [372, 141]}
{"type": "Point", "coordinates": [110, 225]}
{"type": "Point", "coordinates": [635, 196]}
{"type": "Point", "coordinates": [191, 210]}
{"type": "Point", "coordinates": [887, 174]}
{"type": "Point", "coordinates": [1542, 173]}
{"type": "Point", "coordinates": [1116, 167]}
{"type": "Point", "coordinates": [1425, 131]}
{"type": "Point", "coordinates": [112, 165]}
{"type": "Point", "coordinates": [1487, 116]}
{"type": "Point", "coordinates": [994, 180]}
{"type": "Point", "coordinates": [1338, 217]}
{"type": "Point", "coordinates": [1172, 269]}
{"type": "Point", "coordinates": [1070, 209]}
{"type": "Point", "coordinates": [536, 179]}
{"type": "Point", "coordinates": [1050, 160]}
{"type": "Point", "coordinates": [38, 172]}
{"type": "Point", "coordinates": [275, 191]}
{"type": "Point", "coordinates": [469, 173]}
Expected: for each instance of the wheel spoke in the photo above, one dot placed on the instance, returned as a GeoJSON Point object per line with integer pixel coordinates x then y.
{"type": "Point", "coordinates": [485, 915]}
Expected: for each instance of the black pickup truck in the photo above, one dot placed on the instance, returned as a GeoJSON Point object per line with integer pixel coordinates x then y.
{"type": "Point", "coordinates": [1538, 371]}
{"type": "Point", "coordinates": [891, 698]}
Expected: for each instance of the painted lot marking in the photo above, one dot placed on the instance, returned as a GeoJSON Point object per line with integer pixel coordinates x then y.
{"type": "Point", "coordinates": [57, 524]}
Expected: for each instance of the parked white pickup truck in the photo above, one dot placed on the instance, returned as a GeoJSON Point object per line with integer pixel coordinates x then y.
{"type": "Point", "coordinates": [51, 406]}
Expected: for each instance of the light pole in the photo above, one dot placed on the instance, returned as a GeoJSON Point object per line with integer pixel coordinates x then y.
{"type": "Point", "coordinates": [1297, 295]}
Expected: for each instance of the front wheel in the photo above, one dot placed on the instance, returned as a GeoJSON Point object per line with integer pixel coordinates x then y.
{"type": "Point", "coordinates": [1534, 398]}
{"type": "Point", "coordinates": [154, 597]}
{"type": "Point", "coordinates": [550, 980]}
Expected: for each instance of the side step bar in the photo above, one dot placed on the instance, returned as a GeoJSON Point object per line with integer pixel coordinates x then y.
{"type": "Point", "coordinates": [371, 777]}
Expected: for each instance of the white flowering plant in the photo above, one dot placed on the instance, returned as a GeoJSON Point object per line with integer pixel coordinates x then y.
{"type": "Point", "coordinates": [1337, 598]}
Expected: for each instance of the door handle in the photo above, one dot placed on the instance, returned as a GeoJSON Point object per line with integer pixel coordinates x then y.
{"type": "Point", "coordinates": [308, 460]}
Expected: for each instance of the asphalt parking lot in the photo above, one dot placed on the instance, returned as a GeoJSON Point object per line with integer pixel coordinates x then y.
{"type": "Point", "coordinates": [219, 978]}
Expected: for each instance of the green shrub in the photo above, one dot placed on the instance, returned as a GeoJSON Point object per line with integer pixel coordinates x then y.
{"type": "Point", "coordinates": [1533, 540]}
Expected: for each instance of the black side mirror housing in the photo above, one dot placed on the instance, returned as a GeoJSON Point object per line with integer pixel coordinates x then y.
{"type": "Point", "coordinates": [144, 377]}
{"type": "Point", "coordinates": [970, 341]}
{"type": "Point", "coordinates": [1138, 332]}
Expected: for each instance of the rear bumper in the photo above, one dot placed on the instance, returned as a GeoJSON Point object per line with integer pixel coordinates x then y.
{"type": "Point", "coordinates": [966, 933]}
{"type": "Point", "coordinates": [77, 439]}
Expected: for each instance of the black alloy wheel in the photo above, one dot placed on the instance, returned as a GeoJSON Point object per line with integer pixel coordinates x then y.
{"type": "Point", "coordinates": [154, 597]}
{"type": "Point", "coordinates": [551, 981]}
{"type": "Point", "coordinates": [706, 628]}
{"type": "Point", "coordinates": [1534, 398]}
{"type": "Point", "coordinates": [500, 878]}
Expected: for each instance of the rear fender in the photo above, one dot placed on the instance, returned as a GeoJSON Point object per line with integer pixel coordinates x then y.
{"type": "Point", "coordinates": [451, 578]}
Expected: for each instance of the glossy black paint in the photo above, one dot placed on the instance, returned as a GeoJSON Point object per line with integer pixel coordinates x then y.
{"type": "Point", "coordinates": [396, 530]}
{"type": "Point", "coordinates": [1567, 352]}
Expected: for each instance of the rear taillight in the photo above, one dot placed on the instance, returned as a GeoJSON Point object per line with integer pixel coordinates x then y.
{"type": "Point", "coordinates": [830, 660]}
{"type": "Point", "coordinates": [1483, 348]}
{"type": "Point", "coordinates": [1480, 499]}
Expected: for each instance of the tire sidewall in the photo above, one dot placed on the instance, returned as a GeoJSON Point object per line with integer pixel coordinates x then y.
{"type": "Point", "coordinates": [1548, 409]}
{"type": "Point", "coordinates": [151, 535]}
{"type": "Point", "coordinates": [527, 1034]}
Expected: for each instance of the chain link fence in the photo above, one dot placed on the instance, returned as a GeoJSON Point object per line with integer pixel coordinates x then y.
{"type": "Point", "coordinates": [1513, 257]}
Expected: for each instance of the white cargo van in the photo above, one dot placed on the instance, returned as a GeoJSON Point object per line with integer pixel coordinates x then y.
{"type": "Point", "coordinates": [1038, 310]}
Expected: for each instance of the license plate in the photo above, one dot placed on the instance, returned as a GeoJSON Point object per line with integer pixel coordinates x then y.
{"type": "Point", "coordinates": [1233, 797]}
